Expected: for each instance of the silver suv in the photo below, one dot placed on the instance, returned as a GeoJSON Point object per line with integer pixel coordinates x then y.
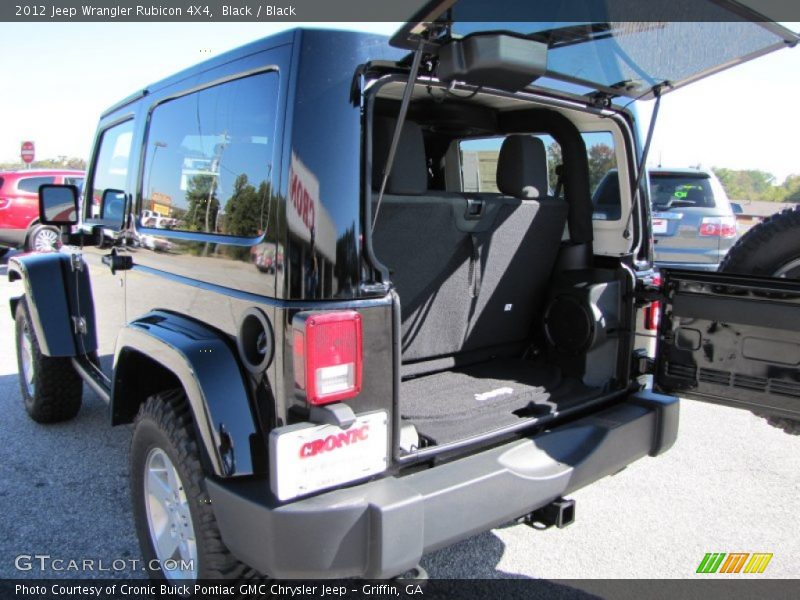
{"type": "Point", "coordinates": [693, 222]}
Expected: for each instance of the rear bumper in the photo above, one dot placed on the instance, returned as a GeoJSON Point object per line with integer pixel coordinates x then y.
{"type": "Point", "coordinates": [382, 528]}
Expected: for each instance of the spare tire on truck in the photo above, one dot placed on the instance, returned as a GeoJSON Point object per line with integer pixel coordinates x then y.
{"type": "Point", "coordinates": [771, 249]}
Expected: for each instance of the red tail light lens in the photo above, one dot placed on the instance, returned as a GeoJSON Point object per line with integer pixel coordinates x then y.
{"type": "Point", "coordinates": [327, 355]}
{"type": "Point", "coordinates": [724, 227]}
{"type": "Point", "coordinates": [652, 313]}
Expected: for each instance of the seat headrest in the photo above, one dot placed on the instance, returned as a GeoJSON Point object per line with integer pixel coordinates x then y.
{"type": "Point", "coordinates": [409, 176]}
{"type": "Point", "coordinates": [522, 167]}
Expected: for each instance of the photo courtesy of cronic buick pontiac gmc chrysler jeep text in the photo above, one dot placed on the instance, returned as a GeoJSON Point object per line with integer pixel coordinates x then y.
{"type": "Point", "coordinates": [443, 340]}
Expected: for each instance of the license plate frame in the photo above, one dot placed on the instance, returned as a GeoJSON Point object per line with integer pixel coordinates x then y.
{"type": "Point", "coordinates": [307, 458]}
{"type": "Point", "coordinates": [659, 225]}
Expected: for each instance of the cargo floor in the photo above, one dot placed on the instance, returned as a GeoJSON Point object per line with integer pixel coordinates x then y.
{"type": "Point", "coordinates": [461, 403]}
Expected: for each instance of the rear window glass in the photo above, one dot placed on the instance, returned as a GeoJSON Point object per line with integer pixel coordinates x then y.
{"type": "Point", "coordinates": [31, 184]}
{"type": "Point", "coordinates": [633, 54]}
{"type": "Point", "coordinates": [680, 191]}
{"type": "Point", "coordinates": [479, 163]}
{"type": "Point", "coordinates": [479, 169]}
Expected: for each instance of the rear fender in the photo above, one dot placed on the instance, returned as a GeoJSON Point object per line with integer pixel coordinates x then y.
{"type": "Point", "coordinates": [204, 363]}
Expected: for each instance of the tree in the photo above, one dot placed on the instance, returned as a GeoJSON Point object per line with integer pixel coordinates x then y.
{"type": "Point", "coordinates": [791, 188]}
{"type": "Point", "coordinates": [202, 201]}
{"type": "Point", "coordinates": [601, 160]}
{"type": "Point", "coordinates": [245, 211]}
{"type": "Point", "coordinates": [554, 158]}
{"type": "Point", "coordinates": [750, 184]}
{"type": "Point", "coordinates": [60, 162]}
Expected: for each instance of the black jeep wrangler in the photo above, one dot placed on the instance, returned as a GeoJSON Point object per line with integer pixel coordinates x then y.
{"type": "Point", "coordinates": [443, 339]}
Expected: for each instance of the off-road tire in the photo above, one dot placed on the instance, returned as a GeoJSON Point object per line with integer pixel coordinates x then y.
{"type": "Point", "coordinates": [764, 250]}
{"type": "Point", "coordinates": [766, 247]}
{"type": "Point", "coordinates": [165, 421]}
{"type": "Point", "coordinates": [790, 426]}
{"type": "Point", "coordinates": [57, 387]}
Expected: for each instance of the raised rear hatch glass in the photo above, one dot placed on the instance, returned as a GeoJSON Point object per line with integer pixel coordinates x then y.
{"type": "Point", "coordinates": [622, 48]}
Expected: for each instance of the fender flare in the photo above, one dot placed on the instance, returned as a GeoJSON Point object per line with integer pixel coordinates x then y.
{"type": "Point", "coordinates": [207, 367]}
{"type": "Point", "coordinates": [54, 291]}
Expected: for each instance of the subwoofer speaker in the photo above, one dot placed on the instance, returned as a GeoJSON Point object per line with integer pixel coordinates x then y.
{"type": "Point", "coordinates": [569, 324]}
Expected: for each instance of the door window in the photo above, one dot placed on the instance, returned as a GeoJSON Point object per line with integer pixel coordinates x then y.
{"type": "Point", "coordinates": [110, 170]}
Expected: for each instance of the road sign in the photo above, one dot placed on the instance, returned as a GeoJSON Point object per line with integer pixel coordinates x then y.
{"type": "Point", "coordinates": [27, 152]}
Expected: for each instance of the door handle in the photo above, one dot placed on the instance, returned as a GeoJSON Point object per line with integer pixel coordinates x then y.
{"type": "Point", "coordinates": [117, 262]}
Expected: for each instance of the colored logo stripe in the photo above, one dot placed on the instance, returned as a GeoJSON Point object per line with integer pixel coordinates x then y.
{"type": "Point", "coordinates": [713, 562]}
{"type": "Point", "coordinates": [758, 563]}
{"type": "Point", "coordinates": [734, 562]}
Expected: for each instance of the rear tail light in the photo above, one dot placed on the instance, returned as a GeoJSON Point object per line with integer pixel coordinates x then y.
{"type": "Point", "coordinates": [652, 313]}
{"type": "Point", "coordinates": [327, 349]}
{"type": "Point", "coordinates": [724, 227]}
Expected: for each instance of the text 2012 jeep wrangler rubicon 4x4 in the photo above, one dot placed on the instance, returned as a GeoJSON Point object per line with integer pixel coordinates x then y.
{"type": "Point", "coordinates": [448, 343]}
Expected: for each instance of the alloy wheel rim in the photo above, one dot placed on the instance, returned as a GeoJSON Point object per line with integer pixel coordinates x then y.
{"type": "Point", "coordinates": [26, 357]}
{"type": "Point", "coordinates": [45, 240]}
{"type": "Point", "coordinates": [169, 519]}
{"type": "Point", "coordinates": [790, 270]}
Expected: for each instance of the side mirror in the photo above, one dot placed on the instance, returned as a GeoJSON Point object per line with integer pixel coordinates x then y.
{"type": "Point", "coordinates": [737, 208]}
{"type": "Point", "coordinates": [112, 207]}
{"type": "Point", "coordinates": [58, 204]}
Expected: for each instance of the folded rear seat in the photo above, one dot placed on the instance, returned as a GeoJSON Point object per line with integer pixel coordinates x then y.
{"type": "Point", "coordinates": [416, 237]}
{"type": "Point", "coordinates": [519, 250]}
{"type": "Point", "coordinates": [466, 282]}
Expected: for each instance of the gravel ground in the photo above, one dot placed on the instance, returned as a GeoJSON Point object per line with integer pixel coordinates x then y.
{"type": "Point", "coordinates": [730, 484]}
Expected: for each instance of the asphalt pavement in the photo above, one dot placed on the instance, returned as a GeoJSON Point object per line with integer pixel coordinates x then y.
{"type": "Point", "coordinates": [731, 483]}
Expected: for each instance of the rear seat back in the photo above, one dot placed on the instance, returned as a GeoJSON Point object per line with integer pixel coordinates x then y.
{"type": "Point", "coordinates": [518, 252]}
{"type": "Point", "coordinates": [465, 281]}
{"type": "Point", "coordinates": [417, 239]}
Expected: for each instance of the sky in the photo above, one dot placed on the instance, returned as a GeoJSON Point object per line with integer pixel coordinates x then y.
{"type": "Point", "coordinates": [59, 77]}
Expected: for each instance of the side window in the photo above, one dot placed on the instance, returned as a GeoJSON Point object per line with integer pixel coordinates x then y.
{"type": "Point", "coordinates": [208, 159]}
{"type": "Point", "coordinates": [31, 184]}
{"type": "Point", "coordinates": [603, 176]}
{"type": "Point", "coordinates": [110, 171]}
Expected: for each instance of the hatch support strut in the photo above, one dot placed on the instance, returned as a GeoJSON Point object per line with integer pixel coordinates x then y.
{"type": "Point", "coordinates": [401, 117]}
{"type": "Point", "coordinates": [643, 163]}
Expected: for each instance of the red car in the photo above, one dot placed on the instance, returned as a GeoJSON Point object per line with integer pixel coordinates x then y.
{"type": "Point", "coordinates": [19, 206]}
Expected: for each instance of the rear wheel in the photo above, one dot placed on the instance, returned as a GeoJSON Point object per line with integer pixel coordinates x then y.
{"type": "Point", "coordinates": [51, 388]}
{"type": "Point", "coordinates": [771, 249]}
{"type": "Point", "coordinates": [176, 526]}
{"type": "Point", "coordinates": [43, 238]}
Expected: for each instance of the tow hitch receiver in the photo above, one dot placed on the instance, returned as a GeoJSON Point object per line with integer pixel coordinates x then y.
{"type": "Point", "coordinates": [559, 512]}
